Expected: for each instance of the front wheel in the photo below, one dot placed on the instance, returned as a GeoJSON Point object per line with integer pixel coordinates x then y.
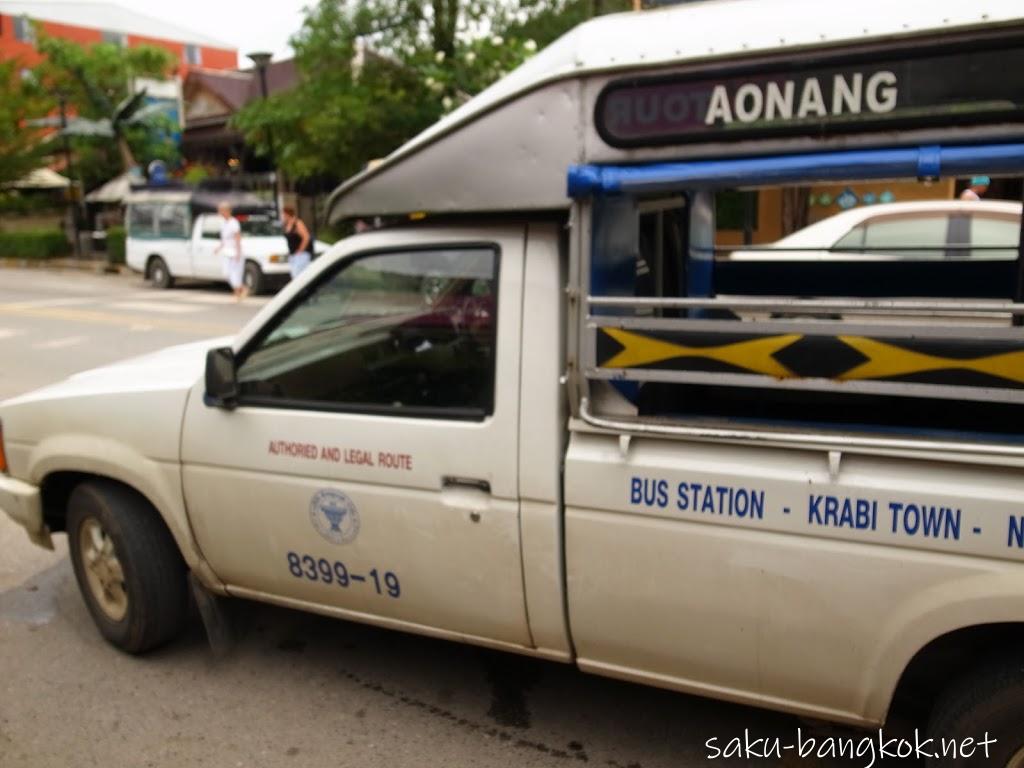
{"type": "Point", "coordinates": [985, 706]}
{"type": "Point", "coordinates": [127, 565]}
{"type": "Point", "coordinates": [253, 278]}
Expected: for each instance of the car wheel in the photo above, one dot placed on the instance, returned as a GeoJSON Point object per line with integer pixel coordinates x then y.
{"type": "Point", "coordinates": [159, 274]}
{"type": "Point", "coordinates": [988, 704]}
{"type": "Point", "coordinates": [253, 278]}
{"type": "Point", "coordinates": [127, 566]}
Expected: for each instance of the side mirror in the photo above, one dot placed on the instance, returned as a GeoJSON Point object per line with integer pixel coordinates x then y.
{"type": "Point", "coordinates": [221, 381]}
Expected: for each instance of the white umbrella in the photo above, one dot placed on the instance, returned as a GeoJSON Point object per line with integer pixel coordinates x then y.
{"type": "Point", "coordinates": [114, 191]}
{"type": "Point", "coordinates": [43, 178]}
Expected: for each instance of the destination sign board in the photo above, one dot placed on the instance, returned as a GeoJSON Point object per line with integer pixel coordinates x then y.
{"type": "Point", "coordinates": [821, 99]}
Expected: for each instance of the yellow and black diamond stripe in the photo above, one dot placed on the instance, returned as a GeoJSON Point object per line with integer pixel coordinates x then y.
{"type": "Point", "coordinates": [953, 362]}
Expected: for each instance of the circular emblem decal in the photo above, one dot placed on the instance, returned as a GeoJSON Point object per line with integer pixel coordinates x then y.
{"type": "Point", "coordinates": [334, 516]}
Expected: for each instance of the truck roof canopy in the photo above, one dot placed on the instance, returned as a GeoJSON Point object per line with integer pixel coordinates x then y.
{"type": "Point", "coordinates": [509, 148]}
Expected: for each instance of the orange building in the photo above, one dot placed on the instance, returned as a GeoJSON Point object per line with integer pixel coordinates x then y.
{"type": "Point", "coordinates": [94, 22]}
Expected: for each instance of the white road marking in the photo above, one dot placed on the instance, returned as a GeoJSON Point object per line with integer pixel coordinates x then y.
{"type": "Point", "coordinates": [195, 297]}
{"type": "Point", "coordinates": [68, 341]}
{"type": "Point", "coordinates": [48, 303]}
{"type": "Point", "coordinates": [6, 333]}
{"type": "Point", "coordinates": [140, 327]}
{"type": "Point", "coordinates": [155, 306]}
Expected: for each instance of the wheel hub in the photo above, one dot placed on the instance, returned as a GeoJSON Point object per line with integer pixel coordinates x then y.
{"type": "Point", "coordinates": [103, 570]}
{"type": "Point", "coordinates": [1017, 761]}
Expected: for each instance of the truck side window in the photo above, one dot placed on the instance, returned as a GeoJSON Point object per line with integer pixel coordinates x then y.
{"type": "Point", "coordinates": [142, 220]}
{"type": "Point", "coordinates": [172, 220]}
{"type": "Point", "coordinates": [211, 227]}
{"type": "Point", "coordinates": [405, 333]}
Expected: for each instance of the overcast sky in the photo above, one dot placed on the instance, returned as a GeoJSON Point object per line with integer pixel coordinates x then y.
{"type": "Point", "coordinates": [246, 25]}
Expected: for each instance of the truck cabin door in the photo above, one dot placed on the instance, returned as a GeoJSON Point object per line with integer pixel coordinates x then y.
{"type": "Point", "coordinates": [205, 239]}
{"type": "Point", "coordinates": [370, 467]}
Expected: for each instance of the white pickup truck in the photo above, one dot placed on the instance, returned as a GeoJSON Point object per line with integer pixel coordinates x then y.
{"type": "Point", "coordinates": [525, 419]}
{"type": "Point", "coordinates": [172, 235]}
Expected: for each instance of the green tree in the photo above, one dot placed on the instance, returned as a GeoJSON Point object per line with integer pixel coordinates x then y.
{"type": "Point", "coordinates": [376, 72]}
{"type": "Point", "coordinates": [111, 126]}
{"type": "Point", "coordinates": [21, 147]}
{"type": "Point", "coordinates": [345, 110]}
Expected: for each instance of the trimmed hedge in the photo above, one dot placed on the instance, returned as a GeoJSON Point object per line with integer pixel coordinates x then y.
{"type": "Point", "coordinates": [115, 245]}
{"type": "Point", "coordinates": [34, 244]}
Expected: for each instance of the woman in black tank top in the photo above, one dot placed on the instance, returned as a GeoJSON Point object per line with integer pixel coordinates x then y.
{"type": "Point", "coordinates": [297, 236]}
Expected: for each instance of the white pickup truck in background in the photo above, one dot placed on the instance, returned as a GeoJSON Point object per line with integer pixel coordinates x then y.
{"type": "Point", "coordinates": [169, 238]}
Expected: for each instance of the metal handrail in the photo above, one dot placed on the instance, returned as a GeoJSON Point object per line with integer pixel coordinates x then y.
{"type": "Point", "coordinates": [823, 305]}
{"type": "Point", "coordinates": [830, 441]}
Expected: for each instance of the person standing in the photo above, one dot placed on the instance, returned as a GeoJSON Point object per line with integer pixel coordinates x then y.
{"type": "Point", "coordinates": [297, 235]}
{"type": "Point", "coordinates": [977, 188]}
{"type": "Point", "coordinates": [231, 246]}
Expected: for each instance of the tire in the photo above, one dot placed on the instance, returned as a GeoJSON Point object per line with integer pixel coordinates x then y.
{"type": "Point", "coordinates": [127, 565]}
{"type": "Point", "coordinates": [158, 273]}
{"type": "Point", "coordinates": [253, 278]}
{"type": "Point", "coordinates": [989, 701]}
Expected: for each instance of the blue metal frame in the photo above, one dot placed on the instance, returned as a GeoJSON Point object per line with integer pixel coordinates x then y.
{"type": "Point", "coordinates": [919, 162]}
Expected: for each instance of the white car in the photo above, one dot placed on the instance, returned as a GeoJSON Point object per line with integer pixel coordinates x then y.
{"type": "Point", "coordinates": [169, 237]}
{"type": "Point", "coordinates": [926, 229]}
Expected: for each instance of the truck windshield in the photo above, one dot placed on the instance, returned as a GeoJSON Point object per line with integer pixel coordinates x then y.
{"type": "Point", "coordinates": [260, 226]}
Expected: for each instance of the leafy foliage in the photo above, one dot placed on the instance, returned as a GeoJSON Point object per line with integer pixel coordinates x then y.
{"type": "Point", "coordinates": [21, 151]}
{"type": "Point", "coordinates": [34, 244]}
{"type": "Point", "coordinates": [374, 73]}
{"type": "Point", "coordinates": [110, 124]}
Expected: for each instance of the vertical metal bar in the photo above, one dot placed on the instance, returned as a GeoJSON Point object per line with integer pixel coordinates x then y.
{"type": "Point", "coordinates": [578, 288]}
{"type": "Point", "coordinates": [659, 257]}
{"type": "Point", "coordinates": [1018, 292]}
{"type": "Point", "coordinates": [701, 249]}
{"type": "Point", "coordinates": [749, 200]}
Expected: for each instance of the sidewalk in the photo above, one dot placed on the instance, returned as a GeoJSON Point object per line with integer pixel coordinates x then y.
{"type": "Point", "coordinates": [83, 265]}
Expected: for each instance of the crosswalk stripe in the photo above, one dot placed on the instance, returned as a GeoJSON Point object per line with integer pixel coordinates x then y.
{"type": "Point", "coordinates": [68, 341]}
{"type": "Point", "coordinates": [6, 333]}
{"type": "Point", "coordinates": [195, 297]}
{"type": "Point", "coordinates": [156, 306]}
{"type": "Point", "coordinates": [76, 315]}
{"type": "Point", "coordinates": [47, 303]}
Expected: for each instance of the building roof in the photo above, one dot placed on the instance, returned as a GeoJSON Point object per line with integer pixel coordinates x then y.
{"type": "Point", "coordinates": [236, 88]}
{"type": "Point", "coordinates": [692, 33]}
{"type": "Point", "coordinates": [107, 16]}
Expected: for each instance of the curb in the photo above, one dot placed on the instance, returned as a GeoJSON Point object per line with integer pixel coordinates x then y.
{"type": "Point", "coordinates": [59, 265]}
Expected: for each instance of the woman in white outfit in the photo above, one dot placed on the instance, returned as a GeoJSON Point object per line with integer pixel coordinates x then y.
{"type": "Point", "coordinates": [231, 247]}
{"type": "Point", "coordinates": [297, 235]}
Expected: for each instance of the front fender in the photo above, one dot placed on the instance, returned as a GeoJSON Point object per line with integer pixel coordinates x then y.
{"type": "Point", "coordinates": [158, 481]}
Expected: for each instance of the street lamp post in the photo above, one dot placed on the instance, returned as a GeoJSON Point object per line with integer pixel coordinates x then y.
{"type": "Point", "coordinates": [69, 168]}
{"type": "Point", "coordinates": [261, 60]}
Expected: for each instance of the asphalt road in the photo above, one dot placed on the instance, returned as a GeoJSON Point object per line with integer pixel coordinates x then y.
{"type": "Point", "coordinates": [297, 689]}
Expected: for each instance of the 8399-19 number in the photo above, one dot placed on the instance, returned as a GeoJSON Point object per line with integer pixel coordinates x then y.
{"type": "Point", "coordinates": [334, 572]}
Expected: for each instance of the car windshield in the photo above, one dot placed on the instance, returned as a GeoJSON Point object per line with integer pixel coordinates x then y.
{"type": "Point", "coordinates": [260, 226]}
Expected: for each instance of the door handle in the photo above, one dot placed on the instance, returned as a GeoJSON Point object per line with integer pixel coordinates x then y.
{"type": "Point", "coordinates": [467, 494]}
{"type": "Point", "coordinates": [450, 481]}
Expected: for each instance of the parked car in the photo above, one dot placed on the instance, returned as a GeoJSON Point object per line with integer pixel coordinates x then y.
{"type": "Point", "coordinates": [925, 229]}
{"type": "Point", "coordinates": [173, 234]}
